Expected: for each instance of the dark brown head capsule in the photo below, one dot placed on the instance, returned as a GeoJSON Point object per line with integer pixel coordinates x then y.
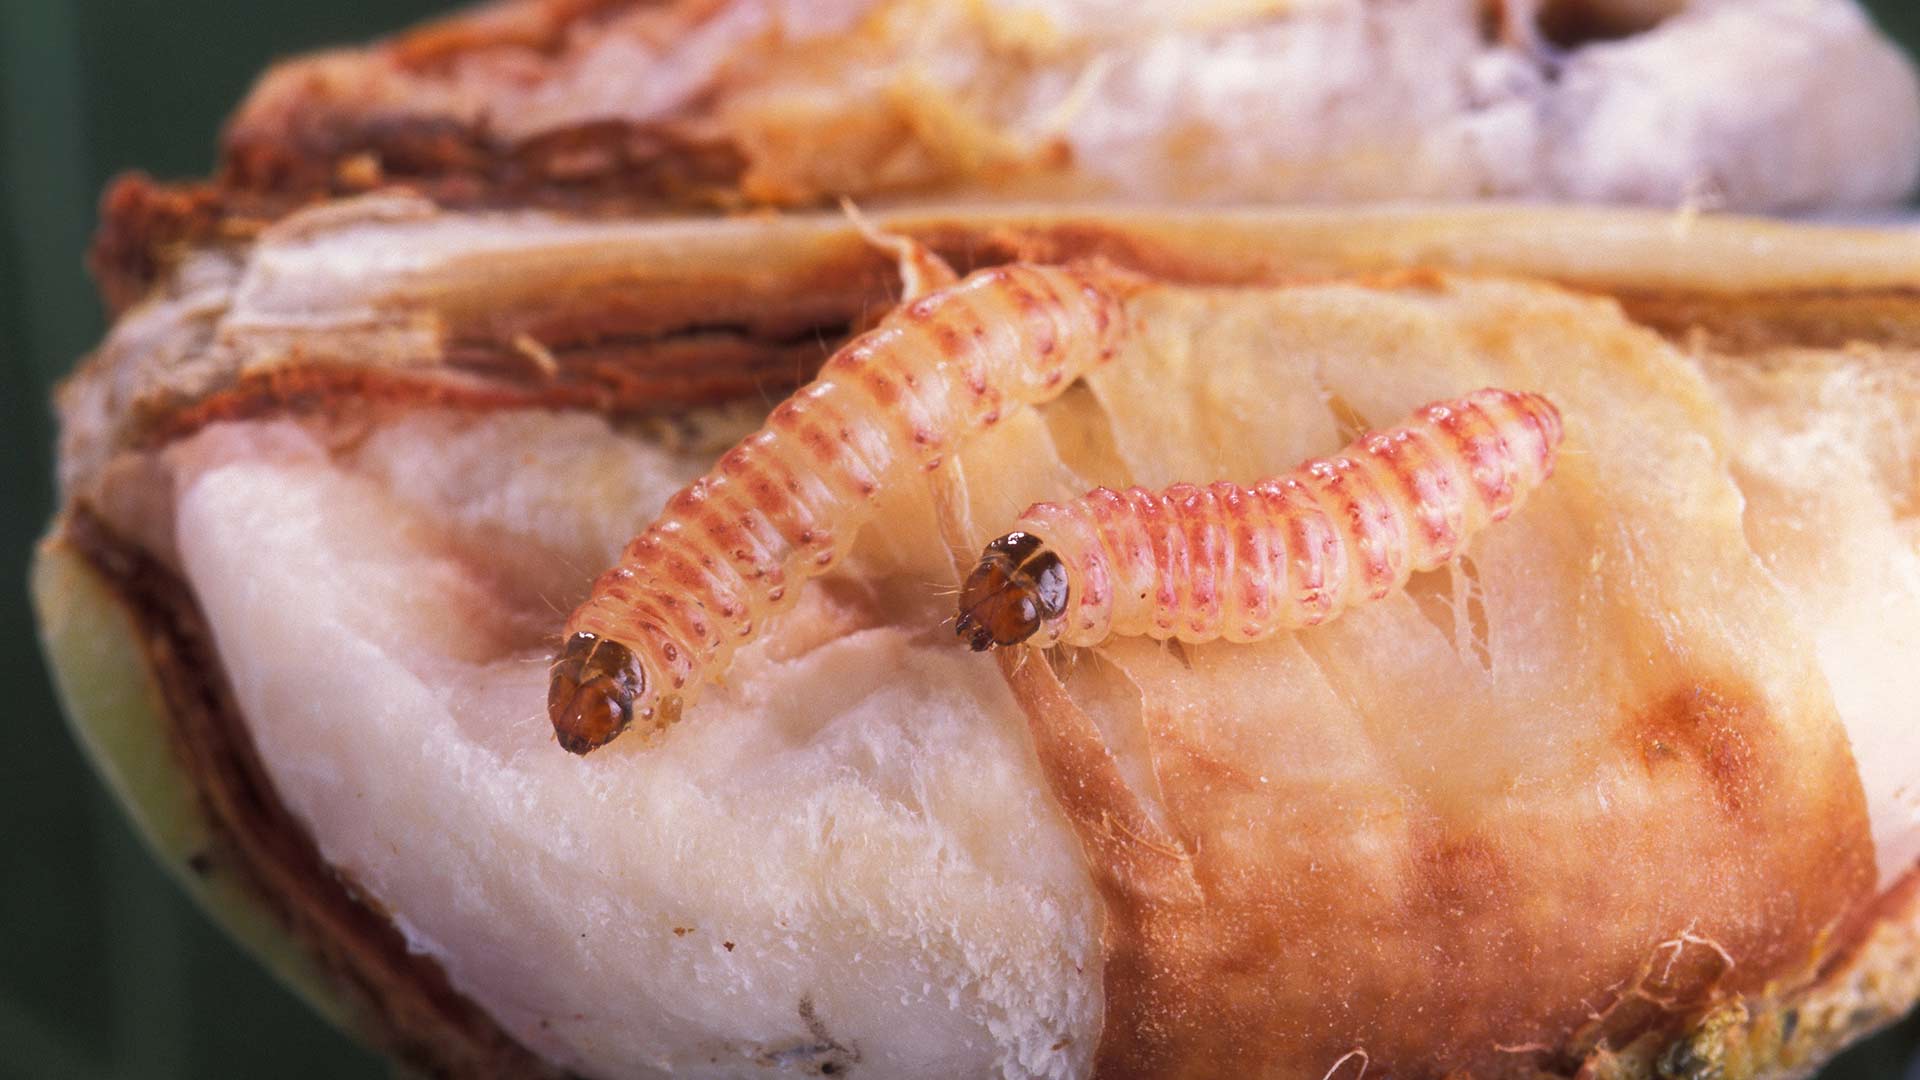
{"type": "Point", "coordinates": [1017, 586]}
{"type": "Point", "coordinates": [590, 699]}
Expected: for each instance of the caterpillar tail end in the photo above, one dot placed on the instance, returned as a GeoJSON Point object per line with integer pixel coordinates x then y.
{"type": "Point", "coordinates": [1016, 587]}
{"type": "Point", "coordinates": [590, 699]}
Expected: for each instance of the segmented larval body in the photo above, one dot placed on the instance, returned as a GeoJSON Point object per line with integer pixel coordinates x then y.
{"type": "Point", "coordinates": [1242, 563]}
{"type": "Point", "coordinates": [785, 503]}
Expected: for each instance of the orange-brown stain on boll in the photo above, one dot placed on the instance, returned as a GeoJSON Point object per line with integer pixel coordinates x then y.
{"type": "Point", "coordinates": [1461, 876]}
{"type": "Point", "coordinates": [1706, 726]}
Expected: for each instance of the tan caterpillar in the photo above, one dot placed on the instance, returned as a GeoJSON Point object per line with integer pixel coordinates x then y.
{"type": "Point", "coordinates": [784, 504]}
{"type": "Point", "coordinates": [1244, 563]}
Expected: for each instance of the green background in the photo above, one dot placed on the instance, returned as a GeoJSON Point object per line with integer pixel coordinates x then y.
{"type": "Point", "coordinates": [106, 970]}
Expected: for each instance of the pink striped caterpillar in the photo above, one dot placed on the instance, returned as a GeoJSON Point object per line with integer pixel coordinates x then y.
{"type": "Point", "coordinates": [783, 505]}
{"type": "Point", "coordinates": [1244, 563]}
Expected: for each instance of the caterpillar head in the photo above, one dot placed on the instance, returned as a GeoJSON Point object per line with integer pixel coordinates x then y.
{"type": "Point", "coordinates": [1017, 586]}
{"type": "Point", "coordinates": [590, 700]}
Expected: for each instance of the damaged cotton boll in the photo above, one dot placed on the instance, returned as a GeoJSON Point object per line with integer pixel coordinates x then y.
{"type": "Point", "coordinates": [1758, 105]}
{"type": "Point", "coordinates": [1569, 784]}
